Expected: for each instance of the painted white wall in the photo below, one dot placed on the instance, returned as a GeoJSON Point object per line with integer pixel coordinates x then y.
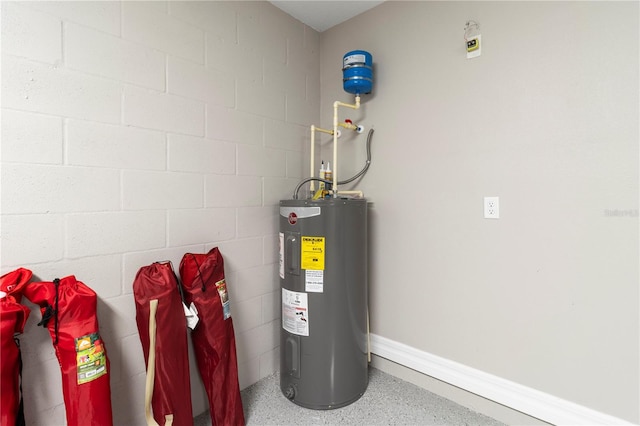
{"type": "Point", "coordinates": [134, 132]}
{"type": "Point", "coordinates": [546, 119]}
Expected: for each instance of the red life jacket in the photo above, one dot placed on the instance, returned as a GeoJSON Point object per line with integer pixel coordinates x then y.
{"type": "Point", "coordinates": [213, 338]}
{"type": "Point", "coordinates": [69, 312]}
{"type": "Point", "coordinates": [159, 304]}
{"type": "Point", "coordinates": [13, 317]}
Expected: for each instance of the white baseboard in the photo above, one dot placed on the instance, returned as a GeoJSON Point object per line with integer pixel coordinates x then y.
{"type": "Point", "coordinates": [532, 402]}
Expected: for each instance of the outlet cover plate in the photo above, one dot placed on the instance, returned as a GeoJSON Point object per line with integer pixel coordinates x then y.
{"type": "Point", "coordinates": [492, 207]}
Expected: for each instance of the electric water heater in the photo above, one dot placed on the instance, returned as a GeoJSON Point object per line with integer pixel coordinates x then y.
{"type": "Point", "coordinates": [323, 277]}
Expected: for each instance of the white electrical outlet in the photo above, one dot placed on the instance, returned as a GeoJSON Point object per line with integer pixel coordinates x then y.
{"type": "Point", "coordinates": [491, 207]}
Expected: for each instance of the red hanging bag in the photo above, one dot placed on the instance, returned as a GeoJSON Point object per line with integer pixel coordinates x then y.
{"type": "Point", "coordinates": [163, 334]}
{"type": "Point", "coordinates": [69, 312]}
{"type": "Point", "coordinates": [13, 317]}
{"type": "Point", "coordinates": [213, 338]}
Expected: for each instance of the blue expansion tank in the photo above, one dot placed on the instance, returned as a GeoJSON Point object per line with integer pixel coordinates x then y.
{"type": "Point", "coordinates": [357, 72]}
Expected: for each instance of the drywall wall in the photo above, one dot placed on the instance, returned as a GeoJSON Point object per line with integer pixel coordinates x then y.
{"type": "Point", "coordinates": [547, 119]}
{"type": "Point", "coordinates": [135, 132]}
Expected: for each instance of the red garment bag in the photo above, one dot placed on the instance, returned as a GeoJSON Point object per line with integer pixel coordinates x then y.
{"type": "Point", "coordinates": [13, 317]}
{"type": "Point", "coordinates": [213, 338]}
{"type": "Point", "coordinates": [163, 334]}
{"type": "Point", "coordinates": [69, 312]}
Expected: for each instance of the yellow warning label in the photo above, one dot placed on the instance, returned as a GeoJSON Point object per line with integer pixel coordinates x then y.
{"type": "Point", "coordinates": [312, 253]}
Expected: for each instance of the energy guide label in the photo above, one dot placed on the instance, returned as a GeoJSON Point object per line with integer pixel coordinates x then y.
{"type": "Point", "coordinates": [312, 253]}
{"type": "Point", "coordinates": [295, 312]}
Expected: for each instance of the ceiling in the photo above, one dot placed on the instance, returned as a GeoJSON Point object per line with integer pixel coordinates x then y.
{"type": "Point", "coordinates": [322, 15]}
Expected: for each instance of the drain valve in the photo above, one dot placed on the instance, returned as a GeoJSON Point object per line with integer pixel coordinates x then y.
{"type": "Point", "coordinates": [290, 393]}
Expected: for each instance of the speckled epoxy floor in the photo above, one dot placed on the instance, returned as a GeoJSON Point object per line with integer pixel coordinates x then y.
{"type": "Point", "coordinates": [387, 401]}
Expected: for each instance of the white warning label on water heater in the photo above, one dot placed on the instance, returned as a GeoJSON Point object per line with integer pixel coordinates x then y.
{"type": "Point", "coordinates": [295, 312]}
{"type": "Point", "coordinates": [313, 281]}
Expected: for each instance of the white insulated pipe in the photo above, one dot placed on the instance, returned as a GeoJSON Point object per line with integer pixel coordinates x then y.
{"type": "Point", "coordinates": [337, 104]}
{"type": "Point", "coordinates": [315, 129]}
{"type": "Point", "coordinates": [336, 134]}
{"type": "Point", "coordinates": [313, 167]}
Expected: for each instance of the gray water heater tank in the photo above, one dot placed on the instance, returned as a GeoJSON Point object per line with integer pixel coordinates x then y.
{"type": "Point", "coordinates": [323, 279]}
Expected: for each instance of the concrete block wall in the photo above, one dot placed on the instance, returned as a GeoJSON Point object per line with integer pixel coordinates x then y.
{"type": "Point", "coordinates": [135, 132]}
